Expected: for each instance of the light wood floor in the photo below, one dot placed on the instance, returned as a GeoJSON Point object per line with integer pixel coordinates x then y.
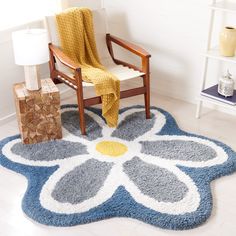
{"type": "Point", "coordinates": [213, 124]}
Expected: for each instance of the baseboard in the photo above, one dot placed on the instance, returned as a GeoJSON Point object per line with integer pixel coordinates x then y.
{"type": "Point", "coordinates": [7, 118]}
{"type": "Point", "coordinates": [193, 100]}
{"type": "Point", "coordinates": [183, 98]}
{"type": "Point", "coordinates": [65, 91]}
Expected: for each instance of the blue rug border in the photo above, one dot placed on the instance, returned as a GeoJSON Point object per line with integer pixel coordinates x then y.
{"type": "Point", "coordinates": [122, 204]}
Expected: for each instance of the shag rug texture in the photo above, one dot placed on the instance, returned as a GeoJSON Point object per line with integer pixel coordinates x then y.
{"type": "Point", "coordinates": [148, 170]}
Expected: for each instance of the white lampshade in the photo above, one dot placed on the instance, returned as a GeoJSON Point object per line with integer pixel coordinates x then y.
{"type": "Point", "coordinates": [30, 47]}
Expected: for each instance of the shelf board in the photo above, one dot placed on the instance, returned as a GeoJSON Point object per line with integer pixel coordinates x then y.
{"type": "Point", "coordinates": [215, 102]}
{"type": "Point", "coordinates": [224, 6]}
{"type": "Point", "coordinates": [212, 92]}
{"type": "Point", "coordinates": [215, 54]}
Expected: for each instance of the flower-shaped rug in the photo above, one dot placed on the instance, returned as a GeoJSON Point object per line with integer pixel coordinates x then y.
{"type": "Point", "coordinates": [149, 170]}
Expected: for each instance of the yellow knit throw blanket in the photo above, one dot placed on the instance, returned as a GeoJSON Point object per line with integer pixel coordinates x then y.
{"type": "Point", "coordinates": [76, 32]}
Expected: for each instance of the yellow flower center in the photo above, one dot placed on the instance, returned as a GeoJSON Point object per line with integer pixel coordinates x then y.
{"type": "Point", "coordinates": [111, 148]}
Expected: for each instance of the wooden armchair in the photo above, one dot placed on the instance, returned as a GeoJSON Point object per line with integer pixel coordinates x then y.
{"type": "Point", "coordinates": [61, 65]}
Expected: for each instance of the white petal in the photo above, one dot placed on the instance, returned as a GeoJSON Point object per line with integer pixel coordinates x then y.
{"type": "Point", "coordinates": [106, 192]}
{"type": "Point", "coordinates": [221, 155]}
{"type": "Point", "coordinates": [6, 150]}
{"type": "Point", "coordinates": [188, 204]}
{"type": "Point", "coordinates": [160, 121]}
{"type": "Point", "coordinates": [67, 135]}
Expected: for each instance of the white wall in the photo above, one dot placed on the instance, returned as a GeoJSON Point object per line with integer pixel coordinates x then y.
{"type": "Point", "coordinates": [93, 4]}
{"type": "Point", "coordinates": [175, 33]}
{"type": "Point", "coordinates": [11, 73]}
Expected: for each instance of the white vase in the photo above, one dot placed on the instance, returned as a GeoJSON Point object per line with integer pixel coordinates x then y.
{"type": "Point", "coordinates": [228, 41]}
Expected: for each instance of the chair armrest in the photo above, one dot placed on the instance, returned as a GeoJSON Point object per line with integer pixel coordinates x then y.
{"type": "Point", "coordinates": [62, 57]}
{"type": "Point", "coordinates": [127, 45]}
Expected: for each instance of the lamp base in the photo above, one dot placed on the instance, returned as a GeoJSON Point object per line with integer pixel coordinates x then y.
{"type": "Point", "coordinates": [32, 78]}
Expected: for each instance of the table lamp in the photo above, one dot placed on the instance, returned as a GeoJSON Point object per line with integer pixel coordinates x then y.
{"type": "Point", "coordinates": [30, 50]}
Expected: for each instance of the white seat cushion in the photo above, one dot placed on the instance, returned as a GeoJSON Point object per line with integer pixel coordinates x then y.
{"type": "Point", "coordinates": [121, 72]}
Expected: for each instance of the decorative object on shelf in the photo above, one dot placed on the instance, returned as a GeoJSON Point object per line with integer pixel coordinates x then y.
{"type": "Point", "coordinates": [228, 41]}
{"type": "Point", "coordinates": [30, 50]}
{"type": "Point", "coordinates": [38, 112]}
{"type": "Point", "coordinates": [226, 85]}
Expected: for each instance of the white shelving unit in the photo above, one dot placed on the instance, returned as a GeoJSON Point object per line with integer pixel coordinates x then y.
{"type": "Point", "coordinates": [213, 53]}
{"type": "Point", "coordinates": [223, 6]}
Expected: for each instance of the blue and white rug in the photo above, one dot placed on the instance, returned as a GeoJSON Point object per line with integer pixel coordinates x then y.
{"type": "Point", "coordinates": [149, 170]}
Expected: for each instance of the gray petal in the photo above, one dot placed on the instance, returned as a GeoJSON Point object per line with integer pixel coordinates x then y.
{"type": "Point", "coordinates": [154, 181]}
{"type": "Point", "coordinates": [49, 151]}
{"type": "Point", "coordinates": [133, 126]}
{"type": "Point", "coordinates": [70, 121]}
{"type": "Point", "coordinates": [82, 183]}
{"type": "Point", "coordinates": [179, 150]}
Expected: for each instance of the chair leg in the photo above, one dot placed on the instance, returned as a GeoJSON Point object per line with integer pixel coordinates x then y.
{"type": "Point", "coordinates": [81, 113]}
{"type": "Point", "coordinates": [80, 98]}
{"type": "Point", "coordinates": [146, 81]}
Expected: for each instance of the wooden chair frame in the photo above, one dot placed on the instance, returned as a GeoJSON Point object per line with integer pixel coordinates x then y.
{"type": "Point", "coordinates": [76, 82]}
